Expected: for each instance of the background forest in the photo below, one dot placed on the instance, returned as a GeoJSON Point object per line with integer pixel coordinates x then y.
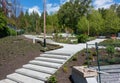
{"type": "Point", "coordinates": [75, 17]}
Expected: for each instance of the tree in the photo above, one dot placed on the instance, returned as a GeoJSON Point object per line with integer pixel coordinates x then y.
{"type": "Point", "coordinates": [26, 21]}
{"type": "Point", "coordinates": [112, 22]}
{"type": "Point", "coordinates": [52, 23]}
{"type": "Point", "coordinates": [102, 11]}
{"type": "Point", "coordinates": [21, 21]}
{"type": "Point", "coordinates": [83, 25]}
{"type": "Point", "coordinates": [33, 22]}
{"type": "Point", "coordinates": [71, 11]}
{"type": "Point", "coordinates": [118, 11]}
{"type": "Point", "coordinates": [3, 25]}
{"type": "Point", "coordinates": [96, 23]}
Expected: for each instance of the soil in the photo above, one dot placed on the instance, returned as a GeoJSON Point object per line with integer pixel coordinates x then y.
{"type": "Point", "coordinates": [63, 75]}
{"type": "Point", "coordinates": [15, 52]}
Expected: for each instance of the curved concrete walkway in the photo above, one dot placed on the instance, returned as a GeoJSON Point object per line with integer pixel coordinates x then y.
{"type": "Point", "coordinates": [42, 67]}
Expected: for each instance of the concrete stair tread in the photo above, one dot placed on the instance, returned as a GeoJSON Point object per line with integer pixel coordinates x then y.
{"type": "Point", "coordinates": [54, 60]}
{"type": "Point", "coordinates": [112, 70]}
{"type": "Point", "coordinates": [40, 68]}
{"type": "Point", "coordinates": [55, 56]}
{"type": "Point", "coordinates": [23, 79]}
{"type": "Point", "coordinates": [7, 81]}
{"type": "Point", "coordinates": [33, 74]}
{"type": "Point", "coordinates": [55, 53]}
{"type": "Point", "coordinates": [46, 64]}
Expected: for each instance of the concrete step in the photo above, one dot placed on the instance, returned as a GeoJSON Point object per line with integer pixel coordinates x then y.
{"type": "Point", "coordinates": [50, 60]}
{"type": "Point", "coordinates": [7, 81]}
{"type": "Point", "coordinates": [45, 64]}
{"type": "Point", "coordinates": [40, 68]}
{"type": "Point", "coordinates": [55, 53]}
{"type": "Point", "coordinates": [23, 79]}
{"type": "Point", "coordinates": [110, 70]}
{"type": "Point", "coordinates": [55, 56]}
{"type": "Point", "coordinates": [33, 74]}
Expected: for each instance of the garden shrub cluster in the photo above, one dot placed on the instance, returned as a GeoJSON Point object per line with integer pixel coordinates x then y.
{"type": "Point", "coordinates": [82, 38]}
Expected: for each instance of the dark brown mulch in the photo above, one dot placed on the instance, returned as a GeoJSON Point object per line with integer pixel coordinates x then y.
{"type": "Point", "coordinates": [64, 76]}
{"type": "Point", "coordinates": [15, 52]}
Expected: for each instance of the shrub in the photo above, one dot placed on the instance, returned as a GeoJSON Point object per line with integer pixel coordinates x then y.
{"type": "Point", "coordinates": [4, 32]}
{"type": "Point", "coordinates": [86, 62]}
{"type": "Point", "coordinates": [114, 60]}
{"type": "Point", "coordinates": [94, 54]}
{"type": "Point", "coordinates": [111, 61]}
{"type": "Point", "coordinates": [56, 36]}
{"type": "Point", "coordinates": [65, 69]}
{"type": "Point", "coordinates": [3, 25]}
{"type": "Point", "coordinates": [110, 50]}
{"type": "Point", "coordinates": [117, 60]}
{"type": "Point", "coordinates": [12, 32]}
{"type": "Point", "coordinates": [74, 58]}
{"type": "Point", "coordinates": [90, 57]}
{"type": "Point", "coordinates": [82, 38]}
{"type": "Point", "coordinates": [52, 79]}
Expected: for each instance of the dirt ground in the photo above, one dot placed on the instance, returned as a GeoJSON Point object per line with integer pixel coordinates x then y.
{"type": "Point", "coordinates": [15, 52]}
{"type": "Point", "coordinates": [63, 75]}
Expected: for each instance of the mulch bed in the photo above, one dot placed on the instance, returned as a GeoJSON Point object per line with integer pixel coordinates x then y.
{"type": "Point", "coordinates": [15, 52]}
{"type": "Point", "coordinates": [63, 76]}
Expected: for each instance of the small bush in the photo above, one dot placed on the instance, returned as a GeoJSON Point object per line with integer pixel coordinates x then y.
{"type": "Point", "coordinates": [111, 61]}
{"type": "Point", "coordinates": [86, 62]}
{"type": "Point", "coordinates": [94, 54]}
{"type": "Point", "coordinates": [74, 58]}
{"type": "Point", "coordinates": [110, 50]}
{"type": "Point", "coordinates": [82, 38]}
{"type": "Point", "coordinates": [65, 69]}
{"type": "Point", "coordinates": [114, 60]}
{"type": "Point", "coordinates": [83, 54]}
{"type": "Point", "coordinates": [117, 54]}
{"type": "Point", "coordinates": [12, 32]}
{"type": "Point", "coordinates": [117, 60]}
{"type": "Point", "coordinates": [103, 63]}
{"type": "Point", "coordinates": [4, 32]}
{"type": "Point", "coordinates": [90, 57]}
{"type": "Point", "coordinates": [52, 79]}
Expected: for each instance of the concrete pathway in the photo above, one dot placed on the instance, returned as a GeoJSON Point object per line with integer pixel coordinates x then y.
{"type": "Point", "coordinates": [42, 67]}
